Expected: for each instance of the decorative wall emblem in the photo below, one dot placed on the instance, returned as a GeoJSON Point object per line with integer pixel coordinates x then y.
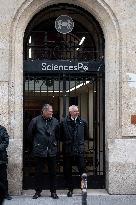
{"type": "Point", "coordinates": [64, 24]}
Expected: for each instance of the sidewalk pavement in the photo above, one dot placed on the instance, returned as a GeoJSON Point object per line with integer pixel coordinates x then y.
{"type": "Point", "coordinates": [95, 197]}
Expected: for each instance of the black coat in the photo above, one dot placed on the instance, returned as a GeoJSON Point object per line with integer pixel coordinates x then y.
{"type": "Point", "coordinates": [73, 135]}
{"type": "Point", "coordinates": [43, 135]}
{"type": "Point", "coordinates": [4, 141]}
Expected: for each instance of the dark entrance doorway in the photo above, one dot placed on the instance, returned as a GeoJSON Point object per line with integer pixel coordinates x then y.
{"type": "Point", "coordinates": [45, 48]}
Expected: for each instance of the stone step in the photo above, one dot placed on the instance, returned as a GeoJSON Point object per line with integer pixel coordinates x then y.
{"type": "Point", "coordinates": [94, 197]}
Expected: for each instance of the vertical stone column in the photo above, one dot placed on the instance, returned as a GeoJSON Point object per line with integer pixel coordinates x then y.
{"type": "Point", "coordinates": [4, 104]}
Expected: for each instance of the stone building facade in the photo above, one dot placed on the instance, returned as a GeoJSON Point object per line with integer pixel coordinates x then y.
{"type": "Point", "coordinates": [117, 20]}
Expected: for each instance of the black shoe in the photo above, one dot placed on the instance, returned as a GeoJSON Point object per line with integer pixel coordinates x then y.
{"type": "Point", "coordinates": [70, 193]}
{"type": "Point", "coordinates": [8, 197]}
{"type": "Point", "coordinates": [36, 195]}
{"type": "Point", "coordinates": [54, 195]}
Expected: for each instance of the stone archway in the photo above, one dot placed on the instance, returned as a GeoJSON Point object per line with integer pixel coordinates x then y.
{"type": "Point", "coordinates": [103, 13]}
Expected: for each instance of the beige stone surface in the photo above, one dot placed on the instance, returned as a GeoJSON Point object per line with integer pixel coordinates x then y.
{"type": "Point", "coordinates": [4, 103]}
{"type": "Point", "coordinates": [4, 62]}
{"type": "Point", "coordinates": [15, 163]}
{"type": "Point", "coordinates": [129, 106]}
{"type": "Point", "coordinates": [122, 166]}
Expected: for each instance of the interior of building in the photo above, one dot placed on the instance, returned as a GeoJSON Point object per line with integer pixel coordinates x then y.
{"type": "Point", "coordinates": [62, 88]}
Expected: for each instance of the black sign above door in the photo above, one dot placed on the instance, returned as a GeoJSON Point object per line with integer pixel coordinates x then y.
{"type": "Point", "coordinates": [62, 66]}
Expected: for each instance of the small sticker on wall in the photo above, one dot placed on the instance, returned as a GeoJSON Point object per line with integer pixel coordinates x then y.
{"type": "Point", "coordinates": [132, 80]}
{"type": "Point", "coordinates": [133, 119]}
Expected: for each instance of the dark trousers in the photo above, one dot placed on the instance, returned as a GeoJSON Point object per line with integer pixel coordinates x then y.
{"type": "Point", "coordinates": [3, 176]}
{"type": "Point", "coordinates": [2, 193]}
{"type": "Point", "coordinates": [39, 176]}
{"type": "Point", "coordinates": [68, 161]}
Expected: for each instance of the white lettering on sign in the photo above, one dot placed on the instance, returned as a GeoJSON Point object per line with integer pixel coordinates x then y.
{"type": "Point", "coordinates": [55, 67]}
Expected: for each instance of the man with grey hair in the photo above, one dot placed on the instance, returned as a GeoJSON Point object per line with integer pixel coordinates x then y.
{"type": "Point", "coordinates": [43, 131]}
{"type": "Point", "coordinates": [73, 133]}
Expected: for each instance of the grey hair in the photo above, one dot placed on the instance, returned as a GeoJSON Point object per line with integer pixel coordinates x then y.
{"type": "Point", "coordinates": [46, 107]}
{"type": "Point", "coordinates": [71, 108]}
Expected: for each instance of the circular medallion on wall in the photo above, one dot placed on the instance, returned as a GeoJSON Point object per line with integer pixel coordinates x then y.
{"type": "Point", "coordinates": [64, 24]}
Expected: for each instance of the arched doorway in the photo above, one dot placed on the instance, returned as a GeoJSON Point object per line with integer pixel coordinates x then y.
{"type": "Point", "coordinates": [61, 87]}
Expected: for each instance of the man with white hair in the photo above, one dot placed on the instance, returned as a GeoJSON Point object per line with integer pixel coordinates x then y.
{"type": "Point", "coordinates": [73, 133]}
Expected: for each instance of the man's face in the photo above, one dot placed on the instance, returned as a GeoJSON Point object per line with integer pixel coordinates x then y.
{"type": "Point", "coordinates": [48, 113]}
{"type": "Point", "coordinates": [74, 113]}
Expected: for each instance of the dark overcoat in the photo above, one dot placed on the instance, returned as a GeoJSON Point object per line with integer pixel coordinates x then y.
{"type": "Point", "coordinates": [43, 135]}
{"type": "Point", "coordinates": [73, 134]}
{"type": "Point", "coordinates": [4, 141]}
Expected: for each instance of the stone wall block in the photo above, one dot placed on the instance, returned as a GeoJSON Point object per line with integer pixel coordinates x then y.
{"type": "Point", "coordinates": [15, 166]}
